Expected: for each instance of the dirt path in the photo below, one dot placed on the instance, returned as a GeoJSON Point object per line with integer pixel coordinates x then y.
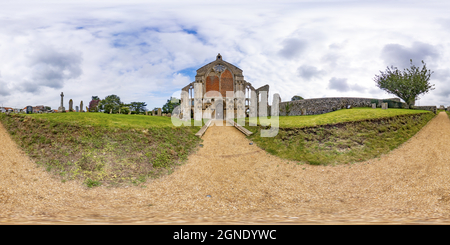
{"type": "Point", "coordinates": [245, 185]}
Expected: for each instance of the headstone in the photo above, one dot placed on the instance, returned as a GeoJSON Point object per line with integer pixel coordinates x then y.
{"type": "Point", "coordinates": [29, 109]}
{"type": "Point", "coordinates": [159, 111]}
{"type": "Point", "coordinates": [110, 111]}
{"type": "Point", "coordinates": [119, 110]}
{"type": "Point", "coordinates": [81, 106]}
{"type": "Point", "coordinates": [384, 106]}
{"type": "Point", "coordinates": [146, 113]}
{"type": "Point", "coordinates": [374, 105]}
{"type": "Point", "coordinates": [169, 115]}
{"type": "Point", "coordinates": [61, 108]}
{"type": "Point", "coordinates": [70, 105]}
{"type": "Point", "coordinates": [76, 108]}
{"type": "Point", "coordinates": [129, 113]}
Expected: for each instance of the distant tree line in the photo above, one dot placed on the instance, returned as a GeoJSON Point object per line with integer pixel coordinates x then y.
{"type": "Point", "coordinates": [112, 103]}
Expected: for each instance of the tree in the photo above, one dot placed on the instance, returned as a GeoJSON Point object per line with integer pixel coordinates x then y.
{"type": "Point", "coordinates": [406, 85]}
{"type": "Point", "coordinates": [170, 105]}
{"type": "Point", "coordinates": [93, 105]}
{"type": "Point", "coordinates": [138, 107]}
{"type": "Point", "coordinates": [111, 102]}
{"type": "Point", "coordinates": [296, 97]}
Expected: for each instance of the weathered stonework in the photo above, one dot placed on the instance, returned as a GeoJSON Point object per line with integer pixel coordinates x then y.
{"type": "Point", "coordinates": [384, 106]}
{"type": "Point", "coordinates": [216, 79]}
{"type": "Point", "coordinates": [427, 108]}
{"type": "Point", "coordinates": [374, 105]}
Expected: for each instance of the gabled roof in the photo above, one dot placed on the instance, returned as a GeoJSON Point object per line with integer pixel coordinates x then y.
{"type": "Point", "coordinates": [218, 61]}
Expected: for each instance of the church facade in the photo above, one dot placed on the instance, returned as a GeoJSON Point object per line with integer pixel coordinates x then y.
{"type": "Point", "coordinates": [220, 91]}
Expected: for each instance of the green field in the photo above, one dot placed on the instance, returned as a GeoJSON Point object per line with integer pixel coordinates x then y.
{"type": "Point", "coordinates": [108, 120]}
{"type": "Point", "coordinates": [339, 116]}
{"type": "Point", "coordinates": [344, 136]}
{"type": "Point", "coordinates": [102, 149]}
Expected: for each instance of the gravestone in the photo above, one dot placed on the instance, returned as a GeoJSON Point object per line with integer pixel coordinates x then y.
{"type": "Point", "coordinates": [61, 108]}
{"type": "Point", "coordinates": [70, 105]}
{"type": "Point", "coordinates": [384, 106]}
{"type": "Point", "coordinates": [81, 106]}
{"type": "Point", "coordinates": [146, 113]}
{"type": "Point", "coordinates": [159, 111]}
{"type": "Point", "coordinates": [76, 108]}
{"type": "Point", "coordinates": [119, 110]}
{"type": "Point", "coordinates": [129, 113]}
{"type": "Point", "coordinates": [110, 111]}
{"type": "Point", "coordinates": [374, 105]}
{"type": "Point", "coordinates": [29, 109]}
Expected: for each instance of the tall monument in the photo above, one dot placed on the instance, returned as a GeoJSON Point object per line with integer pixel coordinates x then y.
{"type": "Point", "coordinates": [61, 108]}
{"type": "Point", "coordinates": [81, 106]}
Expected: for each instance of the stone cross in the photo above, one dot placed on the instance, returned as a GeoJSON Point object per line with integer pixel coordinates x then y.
{"type": "Point", "coordinates": [61, 108]}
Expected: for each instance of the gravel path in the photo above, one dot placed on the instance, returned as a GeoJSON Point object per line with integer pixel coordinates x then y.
{"type": "Point", "coordinates": [241, 184]}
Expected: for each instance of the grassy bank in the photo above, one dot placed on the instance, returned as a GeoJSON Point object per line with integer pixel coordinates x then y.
{"type": "Point", "coordinates": [102, 149]}
{"type": "Point", "coordinates": [322, 141]}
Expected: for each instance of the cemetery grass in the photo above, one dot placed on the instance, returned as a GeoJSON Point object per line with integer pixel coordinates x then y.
{"type": "Point", "coordinates": [108, 150]}
{"type": "Point", "coordinates": [345, 142]}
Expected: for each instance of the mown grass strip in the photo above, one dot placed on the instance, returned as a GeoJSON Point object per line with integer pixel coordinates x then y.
{"type": "Point", "coordinates": [108, 120]}
{"type": "Point", "coordinates": [339, 116]}
{"type": "Point", "coordinates": [345, 142]}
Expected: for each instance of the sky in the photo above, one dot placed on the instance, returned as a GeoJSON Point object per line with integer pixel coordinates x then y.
{"type": "Point", "coordinates": [147, 51]}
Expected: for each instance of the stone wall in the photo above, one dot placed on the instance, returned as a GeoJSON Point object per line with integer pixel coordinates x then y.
{"type": "Point", "coordinates": [324, 105]}
{"type": "Point", "coordinates": [427, 108]}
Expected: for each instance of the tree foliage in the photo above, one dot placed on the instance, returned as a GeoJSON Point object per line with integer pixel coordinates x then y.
{"type": "Point", "coordinates": [137, 107]}
{"type": "Point", "coordinates": [93, 105]}
{"type": "Point", "coordinates": [407, 84]}
{"type": "Point", "coordinates": [296, 97]}
{"type": "Point", "coordinates": [111, 102]}
{"type": "Point", "coordinates": [170, 105]}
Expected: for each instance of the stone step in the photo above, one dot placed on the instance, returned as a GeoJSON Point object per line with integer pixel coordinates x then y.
{"type": "Point", "coordinates": [240, 128]}
{"type": "Point", "coordinates": [203, 129]}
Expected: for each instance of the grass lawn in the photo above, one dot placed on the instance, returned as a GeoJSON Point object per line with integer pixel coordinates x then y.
{"type": "Point", "coordinates": [102, 149]}
{"type": "Point", "coordinates": [339, 116]}
{"type": "Point", "coordinates": [108, 120]}
{"type": "Point", "coordinates": [343, 136]}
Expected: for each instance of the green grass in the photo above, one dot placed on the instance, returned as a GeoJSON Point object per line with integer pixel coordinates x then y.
{"type": "Point", "coordinates": [339, 116]}
{"type": "Point", "coordinates": [332, 139]}
{"type": "Point", "coordinates": [101, 149]}
{"type": "Point", "coordinates": [108, 120]}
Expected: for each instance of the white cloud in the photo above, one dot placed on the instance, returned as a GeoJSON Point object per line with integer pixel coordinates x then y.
{"type": "Point", "coordinates": [138, 49]}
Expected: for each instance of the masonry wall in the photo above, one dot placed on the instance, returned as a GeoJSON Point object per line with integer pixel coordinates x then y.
{"type": "Point", "coordinates": [324, 105]}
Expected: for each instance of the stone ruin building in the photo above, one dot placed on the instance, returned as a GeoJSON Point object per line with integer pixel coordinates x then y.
{"type": "Point", "coordinates": [216, 78]}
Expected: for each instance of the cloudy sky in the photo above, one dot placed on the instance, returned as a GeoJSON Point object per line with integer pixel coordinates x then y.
{"type": "Point", "coordinates": [146, 51]}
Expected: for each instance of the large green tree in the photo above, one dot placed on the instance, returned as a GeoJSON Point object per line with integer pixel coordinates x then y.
{"type": "Point", "coordinates": [296, 97]}
{"type": "Point", "coordinates": [170, 105]}
{"type": "Point", "coordinates": [407, 84]}
{"type": "Point", "coordinates": [111, 102]}
{"type": "Point", "coordinates": [137, 107]}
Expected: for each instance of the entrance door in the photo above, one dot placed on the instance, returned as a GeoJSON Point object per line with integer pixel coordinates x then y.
{"type": "Point", "coordinates": [219, 111]}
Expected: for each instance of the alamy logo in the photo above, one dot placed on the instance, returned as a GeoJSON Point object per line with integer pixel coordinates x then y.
{"type": "Point", "coordinates": [212, 107]}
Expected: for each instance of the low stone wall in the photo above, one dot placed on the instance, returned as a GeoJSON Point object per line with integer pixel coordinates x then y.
{"type": "Point", "coordinates": [325, 105]}
{"type": "Point", "coordinates": [427, 108]}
